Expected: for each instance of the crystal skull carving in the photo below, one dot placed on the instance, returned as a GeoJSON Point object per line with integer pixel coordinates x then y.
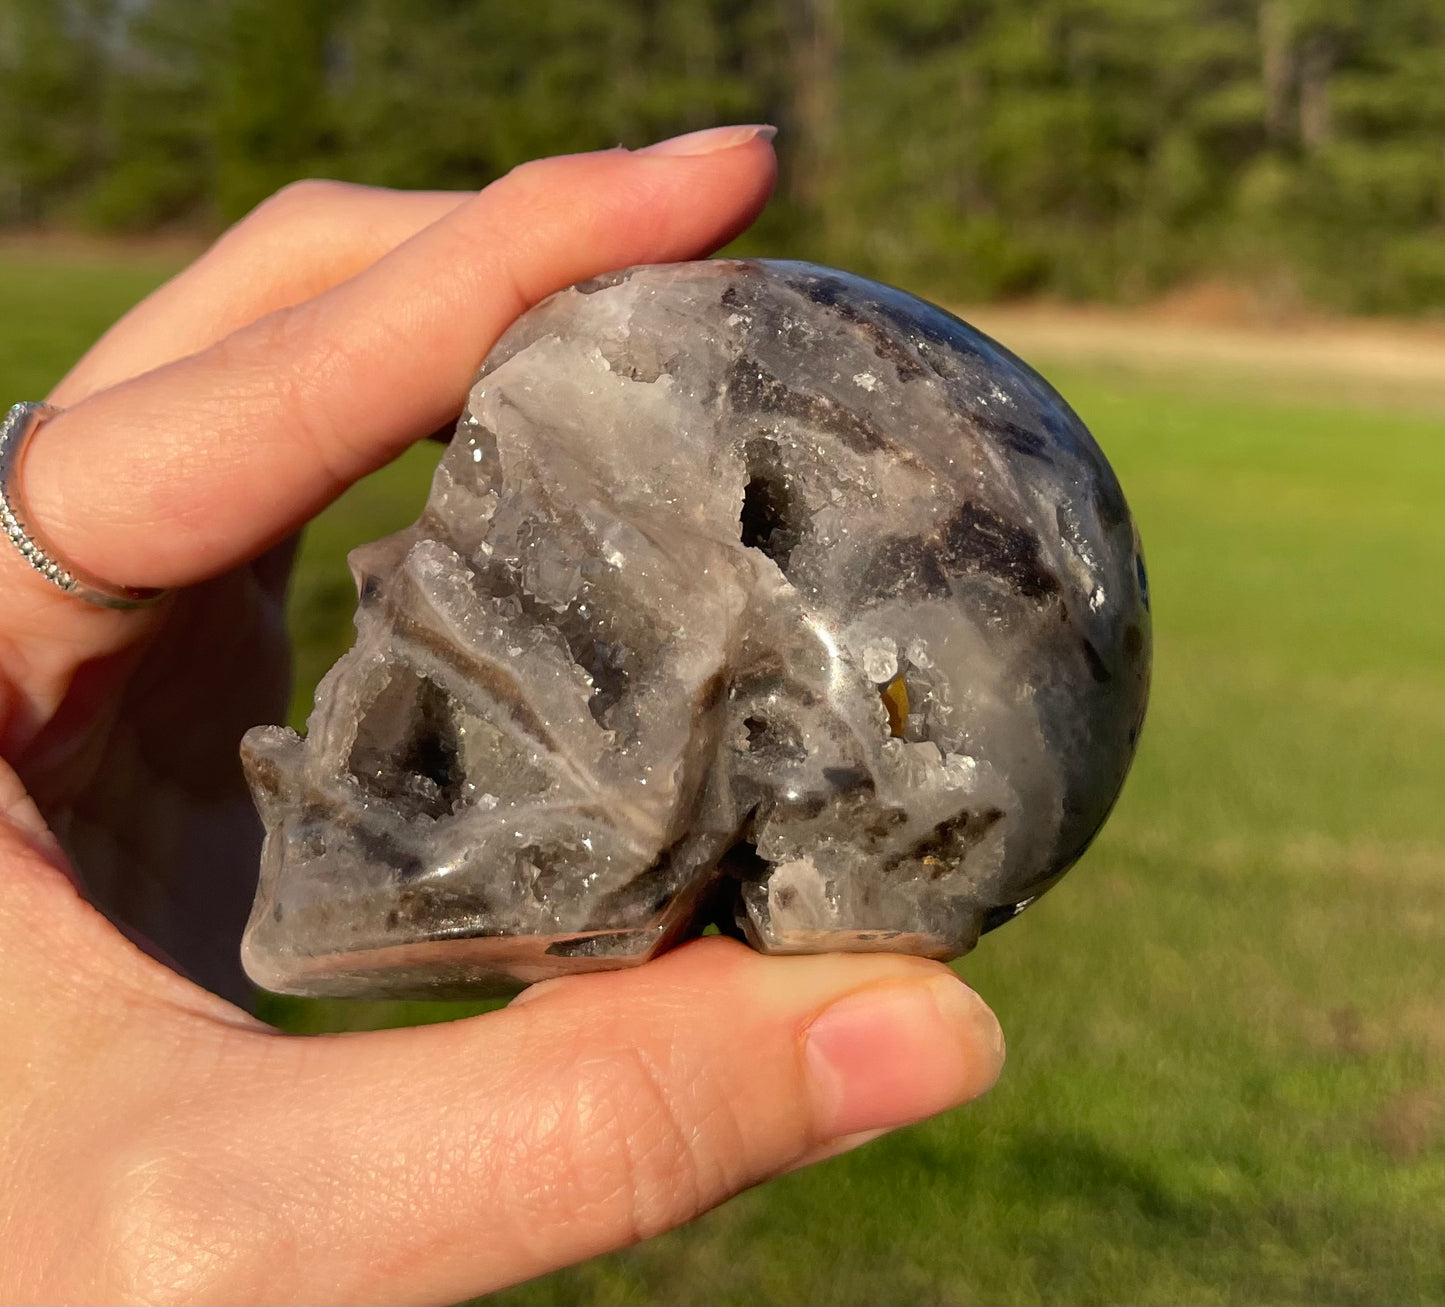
{"type": "Point", "coordinates": [749, 593]}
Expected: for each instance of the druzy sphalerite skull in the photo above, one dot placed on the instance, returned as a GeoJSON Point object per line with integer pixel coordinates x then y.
{"type": "Point", "coordinates": [747, 592]}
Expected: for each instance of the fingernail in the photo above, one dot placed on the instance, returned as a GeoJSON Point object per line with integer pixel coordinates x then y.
{"type": "Point", "coordinates": [711, 139]}
{"type": "Point", "coordinates": [888, 1056]}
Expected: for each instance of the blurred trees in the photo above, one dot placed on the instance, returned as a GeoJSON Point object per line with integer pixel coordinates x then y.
{"type": "Point", "coordinates": [1103, 148]}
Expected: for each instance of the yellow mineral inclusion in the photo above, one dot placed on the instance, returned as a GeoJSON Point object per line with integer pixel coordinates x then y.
{"type": "Point", "coordinates": [895, 699]}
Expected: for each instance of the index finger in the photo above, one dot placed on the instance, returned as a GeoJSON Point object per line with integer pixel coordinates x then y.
{"type": "Point", "coordinates": [181, 473]}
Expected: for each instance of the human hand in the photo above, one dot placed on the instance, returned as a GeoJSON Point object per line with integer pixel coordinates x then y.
{"type": "Point", "coordinates": [159, 1144]}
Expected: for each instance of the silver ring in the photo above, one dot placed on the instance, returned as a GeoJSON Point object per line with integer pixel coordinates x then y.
{"type": "Point", "coordinates": [19, 425]}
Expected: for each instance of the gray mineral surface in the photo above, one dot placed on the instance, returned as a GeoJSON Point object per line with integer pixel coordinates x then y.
{"type": "Point", "coordinates": [751, 594]}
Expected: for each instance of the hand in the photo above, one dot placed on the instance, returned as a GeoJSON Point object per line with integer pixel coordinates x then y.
{"type": "Point", "coordinates": [159, 1144]}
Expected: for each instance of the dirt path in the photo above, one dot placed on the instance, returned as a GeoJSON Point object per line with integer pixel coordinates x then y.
{"type": "Point", "coordinates": [1344, 359]}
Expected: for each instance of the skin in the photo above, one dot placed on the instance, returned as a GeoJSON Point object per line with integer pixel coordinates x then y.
{"type": "Point", "coordinates": [159, 1144]}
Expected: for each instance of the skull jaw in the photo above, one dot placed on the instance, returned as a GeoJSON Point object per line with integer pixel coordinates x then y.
{"type": "Point", "coordinates": [792, 912]}
{"type": "Point", "coordinates": [465, 968]}
{"type": "Point", "coordinates": [359, 948]}
{"type": "Point", "coordinates": [353, 902]}
{"type": "Point", "coordinates": [487, 965]}
{"type": "Point", "coordinates": [846, 940]}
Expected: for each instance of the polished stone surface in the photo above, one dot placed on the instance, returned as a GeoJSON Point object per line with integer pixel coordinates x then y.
{"type": "Point", "coordinates": [748, 593]}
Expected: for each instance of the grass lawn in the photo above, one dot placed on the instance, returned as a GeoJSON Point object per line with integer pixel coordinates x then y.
{"type": "Point", "coordinates": [1226, 1077]}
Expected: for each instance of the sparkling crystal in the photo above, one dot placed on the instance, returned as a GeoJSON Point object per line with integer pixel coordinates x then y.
{"type": "Point", "coordinates": [748, 593]}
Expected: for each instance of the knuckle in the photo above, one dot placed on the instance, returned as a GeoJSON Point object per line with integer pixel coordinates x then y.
{"type": "Point", "coordinates": [653, 1148]}
{"type": "Point", "coordinates": [308, 367]}
{"type": "Point", "coordinates": [532, 193]}
{"type": "Point", "coordinates": [526, 178]}
{"type": "Point", "coordinates": [656, 1160]}
{"type": "Point", "coordinates": [269, 382]}
{"type": "Point", "coordinates": [297, 206]}
{"type": "Point", "coordinates": [298, 200]}
{"type": "Point", "coordinates": [288, 360]}
{"type": "Point", "coordinates": [526, 201]}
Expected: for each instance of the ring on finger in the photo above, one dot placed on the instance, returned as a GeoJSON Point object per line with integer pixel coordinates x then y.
{"type": "Point", "coordinates": [19, 425]}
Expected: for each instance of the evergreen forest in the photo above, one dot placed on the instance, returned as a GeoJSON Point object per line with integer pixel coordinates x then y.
{"type": "Point", "coordinates": [1089, 149]}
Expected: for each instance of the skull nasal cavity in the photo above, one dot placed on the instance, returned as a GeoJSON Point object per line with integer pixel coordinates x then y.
{"type": "Point", "coordinates": [407, 746]}
{"type": "Point", "coordinates": [768, 517]}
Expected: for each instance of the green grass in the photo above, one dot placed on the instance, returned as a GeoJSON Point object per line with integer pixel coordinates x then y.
{"type": "Point", "coordinates": [1226, 1079]}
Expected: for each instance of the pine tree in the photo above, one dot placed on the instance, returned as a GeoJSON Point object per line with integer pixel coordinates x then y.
{"type": "Point", "coordinates": [968, 147]}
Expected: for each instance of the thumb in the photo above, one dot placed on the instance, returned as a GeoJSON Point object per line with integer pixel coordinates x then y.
{"type": "Point", "coordinates": [428, 1164]}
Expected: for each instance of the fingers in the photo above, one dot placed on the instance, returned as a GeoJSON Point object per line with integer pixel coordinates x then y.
{"type": "Point", "coordinates": [429, 1164]}
{"type": "Point", "coordinates": [180, 473]}
{"type": "Point", "coordinates": [301, 242]}
{"type": "Point", "coordinates": [22, 828]}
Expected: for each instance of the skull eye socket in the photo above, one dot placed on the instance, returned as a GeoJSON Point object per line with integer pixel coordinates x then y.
{"type": "Point", "coordinates": [407, 746]}
{"type": "Point", "coordinates": [768, 522]}
{"type": "Point", "coordinates": [764, 521]}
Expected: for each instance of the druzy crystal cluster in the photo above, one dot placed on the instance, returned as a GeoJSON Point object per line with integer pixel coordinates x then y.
{"type": "Point", "coordinates": [748, 593]}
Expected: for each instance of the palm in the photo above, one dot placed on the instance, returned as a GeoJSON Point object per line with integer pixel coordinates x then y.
{"type": "Point", "coordinates": [157, 818]}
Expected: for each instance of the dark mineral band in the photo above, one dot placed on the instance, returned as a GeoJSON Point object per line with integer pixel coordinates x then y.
{"type": "Point", "coordinates": [15, 431]}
